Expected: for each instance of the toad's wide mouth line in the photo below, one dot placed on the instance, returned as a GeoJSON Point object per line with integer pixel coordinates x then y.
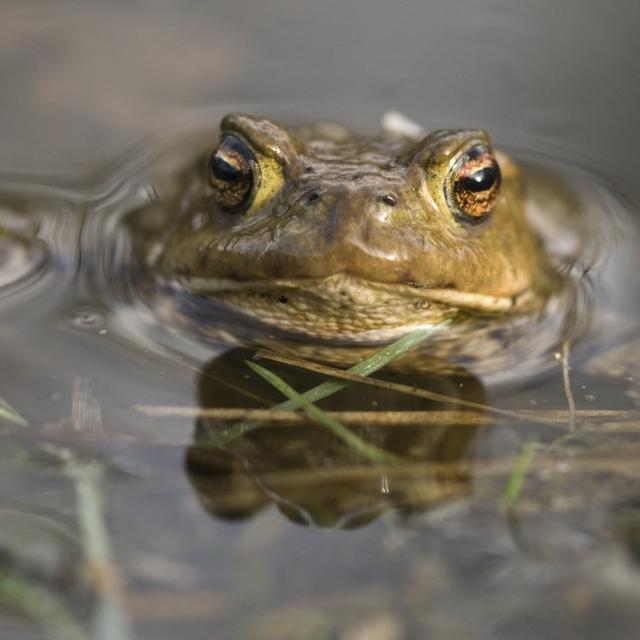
{"type": "Point", "coordinates": [365, 292]}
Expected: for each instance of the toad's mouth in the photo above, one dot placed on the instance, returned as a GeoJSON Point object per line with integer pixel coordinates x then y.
{"type": "Point", "coordinates": [351, 292]}
{"type": "Point", "coordinates": [343, 307]}
{"type": "Point", "coordinates": [339, 309]}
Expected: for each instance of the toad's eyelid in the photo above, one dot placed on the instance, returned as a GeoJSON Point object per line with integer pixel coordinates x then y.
{"type": "Point", "coordinates": [236, 144]}
{"type": "Point", "coordinates": [473, 151]}
{"type": "Point", "coordinates": [263, 136]}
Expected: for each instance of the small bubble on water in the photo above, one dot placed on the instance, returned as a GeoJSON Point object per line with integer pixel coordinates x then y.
{"type": "Point", "coordinates": [102, 332]}
{"type": "Point", "coordinates": [86, 318]}
{"type": "Point", "coordinates": [533, 403]}
{"type": "Point", "coordinates": [557, 355]}
{"type": "Point", "coordinates": [590, 397]}
{"type": "Point", "coordinates": [629, 379]}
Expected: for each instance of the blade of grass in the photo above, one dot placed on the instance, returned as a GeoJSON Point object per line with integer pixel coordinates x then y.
{"type": "Point", "coordinates": [42, 606]}
{"type": "Point", "coordinates": [566, 381]}
{"type": "Point", "coordinates": [600, 420]}
{"type": "Point", "coordinates": [365, 367]}
{"type": "Point", "coordinates": [393, 386]}
{"type": "Point", "coordinates": [111, 619]}
{"type": "Point", "coordinates": [518, 474]}
{"type": "Point", "coordinates": [8, 413]}
{"type": "Point", "coordinates": [372, 453]}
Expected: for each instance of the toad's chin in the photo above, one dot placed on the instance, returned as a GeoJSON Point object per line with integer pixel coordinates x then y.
{"type": "Point", "coordinates": [345, 307]}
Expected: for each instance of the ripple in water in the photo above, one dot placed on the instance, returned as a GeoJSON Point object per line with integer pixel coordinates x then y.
{"type": "Point", "coordinates": [22, 253]}
{"type": "Point", "coordinates": [98, 241]}
{"type": "Point", "coordinates": [39, 233]}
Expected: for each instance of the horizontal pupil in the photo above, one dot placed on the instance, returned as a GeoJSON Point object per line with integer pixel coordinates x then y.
{"type": "Point", "coordinates": [480, 180]}
{"type": "Point", "coordinates": [222, 170]}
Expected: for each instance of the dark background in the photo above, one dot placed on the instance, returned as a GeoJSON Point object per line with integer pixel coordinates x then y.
{"type": "Point", "coordinates": [83, 81]}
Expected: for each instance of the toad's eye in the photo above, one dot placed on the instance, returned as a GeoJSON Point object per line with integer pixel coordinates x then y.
{"type": "Point", "coordinates": [233, 174]}
{"type": "Point", "coordinates": [474, 185]}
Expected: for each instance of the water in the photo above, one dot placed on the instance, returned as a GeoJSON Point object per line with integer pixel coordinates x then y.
{"type": "Point", "coordinates": [286, 533]}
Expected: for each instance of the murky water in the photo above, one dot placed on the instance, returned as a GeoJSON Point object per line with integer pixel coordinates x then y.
{"type": "Point", "coordinates": [116, 504]}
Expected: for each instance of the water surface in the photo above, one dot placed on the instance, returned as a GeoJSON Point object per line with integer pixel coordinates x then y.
{"type": "Point", "coordinates": [490, 528]}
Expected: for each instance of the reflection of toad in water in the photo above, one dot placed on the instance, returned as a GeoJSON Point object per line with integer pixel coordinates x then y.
{"type": "Point", "coordinates": [313, 477]}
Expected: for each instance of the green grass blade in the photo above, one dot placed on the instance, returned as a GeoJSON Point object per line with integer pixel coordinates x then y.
{"type": "Point", "coordinates": [8, 413]}
{"type": "Point", "coordinates": [372, 453]}
{"type": "Point", "coordinates": [518, 474]}
{"type": "Point", "coordinates": [42, 606]}
{"type": "Point", "coordinates": [111, 621]}
{"type": "Point", "coordinates": [365, 367]}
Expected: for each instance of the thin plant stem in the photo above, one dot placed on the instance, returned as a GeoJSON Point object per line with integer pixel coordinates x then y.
{"type": "Point", "coordinates": [518, 475]}
{"type": "Point", "coordinates": [111, 619]}
{"type": "Point", "coordinates": [567, 385]}
{"type": "Point", "coordinates": [392, 386]}
{"type": "Point", "coordinates": [42, 606]}
{"type": "Point", "coordinates": [372, 453]}
{"type": "Point", "coordinates": [363, 368]}
{"type": "Point", "coordinates": [8, 413]}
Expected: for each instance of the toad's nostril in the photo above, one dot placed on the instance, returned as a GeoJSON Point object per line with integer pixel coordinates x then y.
{"type": "Point", "coordinates": [389, 199]}
{"type": "Point", "coordinates": [312, 197]}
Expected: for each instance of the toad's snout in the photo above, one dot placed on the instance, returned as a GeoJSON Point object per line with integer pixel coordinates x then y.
{"type": "Point", "coordinates": [356, 221]}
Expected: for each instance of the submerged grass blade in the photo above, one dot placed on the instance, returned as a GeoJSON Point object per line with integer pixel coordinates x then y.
{"type": "Point", "coordinates": [8, 413]}
{"type": "Point", "coordinates": [365, 367]}
{"type": "Point", "coordinates": [111, 619]}
{"type": "Point", "coordinates": [372, 453]}
{"type": "Point", "coordinates": [40, 605]}
{"type": "Point", "coordinates": [599, 420]}
{"type": "Point", "coordinates": [394, 386]}
{"type": "Point", "coordinates": [518, 474]}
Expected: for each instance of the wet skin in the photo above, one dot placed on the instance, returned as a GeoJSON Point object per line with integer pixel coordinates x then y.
{"type": "Point", "coordinates": [329, 234]}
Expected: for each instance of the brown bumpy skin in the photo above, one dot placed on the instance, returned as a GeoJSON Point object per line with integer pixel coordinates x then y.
{"type": "Point", "coordinates": [343, 235]}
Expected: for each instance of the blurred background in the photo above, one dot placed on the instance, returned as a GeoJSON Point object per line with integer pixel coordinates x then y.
{"type": "Point", "coordinates": [83, 81]}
